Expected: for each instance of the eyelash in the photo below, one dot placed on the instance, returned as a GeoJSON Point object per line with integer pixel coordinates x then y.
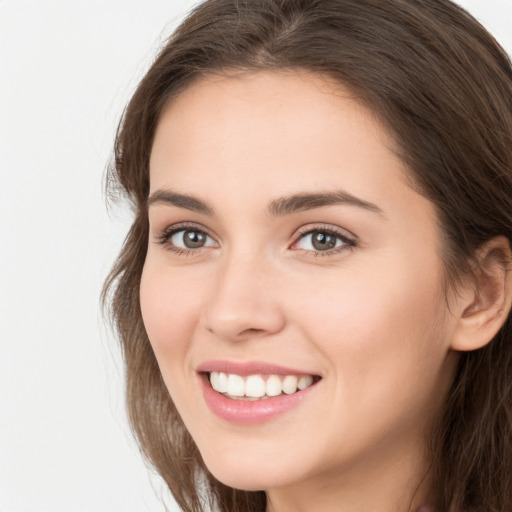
{"type": "Point", "coordinates": [167, 234]}
{"type": "Point", "coordinates": [348, 243]}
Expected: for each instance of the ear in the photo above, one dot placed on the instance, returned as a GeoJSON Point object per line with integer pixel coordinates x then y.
{"type": "Point", "coordinates": [484, 303]}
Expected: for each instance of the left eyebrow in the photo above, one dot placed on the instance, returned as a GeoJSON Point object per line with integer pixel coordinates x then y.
{"type": "Point", "coordinates": [309, 201]}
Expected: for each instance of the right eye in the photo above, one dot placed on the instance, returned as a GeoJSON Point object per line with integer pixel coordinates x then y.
{"type": "Point", "coordinates": [186, 239]}
{"type": "Point", "coordinates": [190, 239]}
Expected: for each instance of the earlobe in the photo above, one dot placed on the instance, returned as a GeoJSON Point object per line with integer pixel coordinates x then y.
{"type": "Point", "coordinates": [486, 302]}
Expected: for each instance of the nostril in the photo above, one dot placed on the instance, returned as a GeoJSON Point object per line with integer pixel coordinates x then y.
{"type": "Point", "coordinates": [251, 332]}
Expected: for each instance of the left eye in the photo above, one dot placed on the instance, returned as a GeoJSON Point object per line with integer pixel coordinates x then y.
{"type": "Point", "coordinates": [190, 239]}
{"type": "Point", "coordinates": [320, 240]}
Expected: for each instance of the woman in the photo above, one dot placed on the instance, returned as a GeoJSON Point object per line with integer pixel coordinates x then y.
{"type": "Point", "coordinates": [314, 297]}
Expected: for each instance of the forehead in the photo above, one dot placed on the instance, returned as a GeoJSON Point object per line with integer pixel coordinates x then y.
{"type": "Point", "coordinates": [285, 123]}
{"type": "Point", "coordinates": [252, 99]}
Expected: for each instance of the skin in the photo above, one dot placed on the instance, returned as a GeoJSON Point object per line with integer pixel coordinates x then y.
{"type": "Point", "coordinates": [371, 319]}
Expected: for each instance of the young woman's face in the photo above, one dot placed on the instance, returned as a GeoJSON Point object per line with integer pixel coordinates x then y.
{"type": "Point", "coordinates": [287, 251]}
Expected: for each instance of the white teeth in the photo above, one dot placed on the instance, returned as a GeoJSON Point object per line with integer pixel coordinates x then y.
{"type": "Point", "coordinates": [214, 380]}
{"type": "Point", "coordinates": [258, 386]}
{"type": "Point", "coordinates": [219, 381]}
{"type": "Point", "coordinates": [305, 381]}
{"type": "Point", "coordinates": [236, 385]}
{"type": "Point", "coordinates": [290, 384]}
{"type": "Point", "coordinates": [254, 386]}
{"type": "Point", "coordinates": [273, 386]}
{"type": "Point", "coordinates": [222, 385]}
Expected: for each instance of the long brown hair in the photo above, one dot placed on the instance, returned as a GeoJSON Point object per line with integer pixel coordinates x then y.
{"type": "Point", "coordinates": [443, 87]}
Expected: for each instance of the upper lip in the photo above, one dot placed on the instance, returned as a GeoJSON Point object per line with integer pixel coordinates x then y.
{"type": "Point", "coordinates": [244, 368]}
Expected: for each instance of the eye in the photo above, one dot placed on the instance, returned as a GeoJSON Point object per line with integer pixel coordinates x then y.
{"type": "Point", "coordinates": [190, 239]}
{"type": "Point", "coordinates": [323, 240]}
{"type": "Point", "coordinates": [184, 239]}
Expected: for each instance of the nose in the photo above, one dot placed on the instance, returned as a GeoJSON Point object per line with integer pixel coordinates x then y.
{"type": "Point", "coordinates": [244, 301]}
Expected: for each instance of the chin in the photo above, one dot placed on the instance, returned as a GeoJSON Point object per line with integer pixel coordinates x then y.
{"type": "Point", "coordinates": [246, 475]}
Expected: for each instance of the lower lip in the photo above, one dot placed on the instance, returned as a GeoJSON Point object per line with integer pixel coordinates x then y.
{"type": "Point", "coordinates": [250, 412]}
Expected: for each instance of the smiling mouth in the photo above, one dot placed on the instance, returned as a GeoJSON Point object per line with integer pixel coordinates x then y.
{"type": "Point", "coordinates": [258, 387]}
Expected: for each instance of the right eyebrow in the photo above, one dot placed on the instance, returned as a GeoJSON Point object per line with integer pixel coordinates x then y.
{"type": "Point", "coordinates": [179, 200]}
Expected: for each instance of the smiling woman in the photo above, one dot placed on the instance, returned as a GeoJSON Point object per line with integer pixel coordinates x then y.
{"type": "Point", "coordinates": [314, 298]}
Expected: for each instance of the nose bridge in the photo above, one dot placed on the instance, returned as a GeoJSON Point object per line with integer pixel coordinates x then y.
{"type": "Point", "coordinates": [242, 304]}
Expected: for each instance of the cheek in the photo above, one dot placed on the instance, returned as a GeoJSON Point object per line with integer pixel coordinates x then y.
{"type": "Point", "coordinates": [170, 307]}
{"type": "Point", "coordinates": [386, 353]}
{"type": "Point", "coordinates": [379, 323]}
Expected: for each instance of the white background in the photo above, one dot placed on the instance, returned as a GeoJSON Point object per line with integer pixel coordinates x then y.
{"type": "Point", "coordinates": [67, 69]}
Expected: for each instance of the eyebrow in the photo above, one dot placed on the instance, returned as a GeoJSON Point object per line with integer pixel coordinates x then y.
{"type": "Point", "coordinates": [309, 201]}
{"type": "Point", "coordinates": [180, 200]}
{"type": "Point", "coordinates": [276, 208]}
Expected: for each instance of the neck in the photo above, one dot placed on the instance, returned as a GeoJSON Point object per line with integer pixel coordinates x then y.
{"type": "Point", "coordinates": [394, 485]}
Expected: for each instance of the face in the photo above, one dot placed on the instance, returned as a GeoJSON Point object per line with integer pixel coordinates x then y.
{"type": "Point", "coordinates": [292, 268]}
